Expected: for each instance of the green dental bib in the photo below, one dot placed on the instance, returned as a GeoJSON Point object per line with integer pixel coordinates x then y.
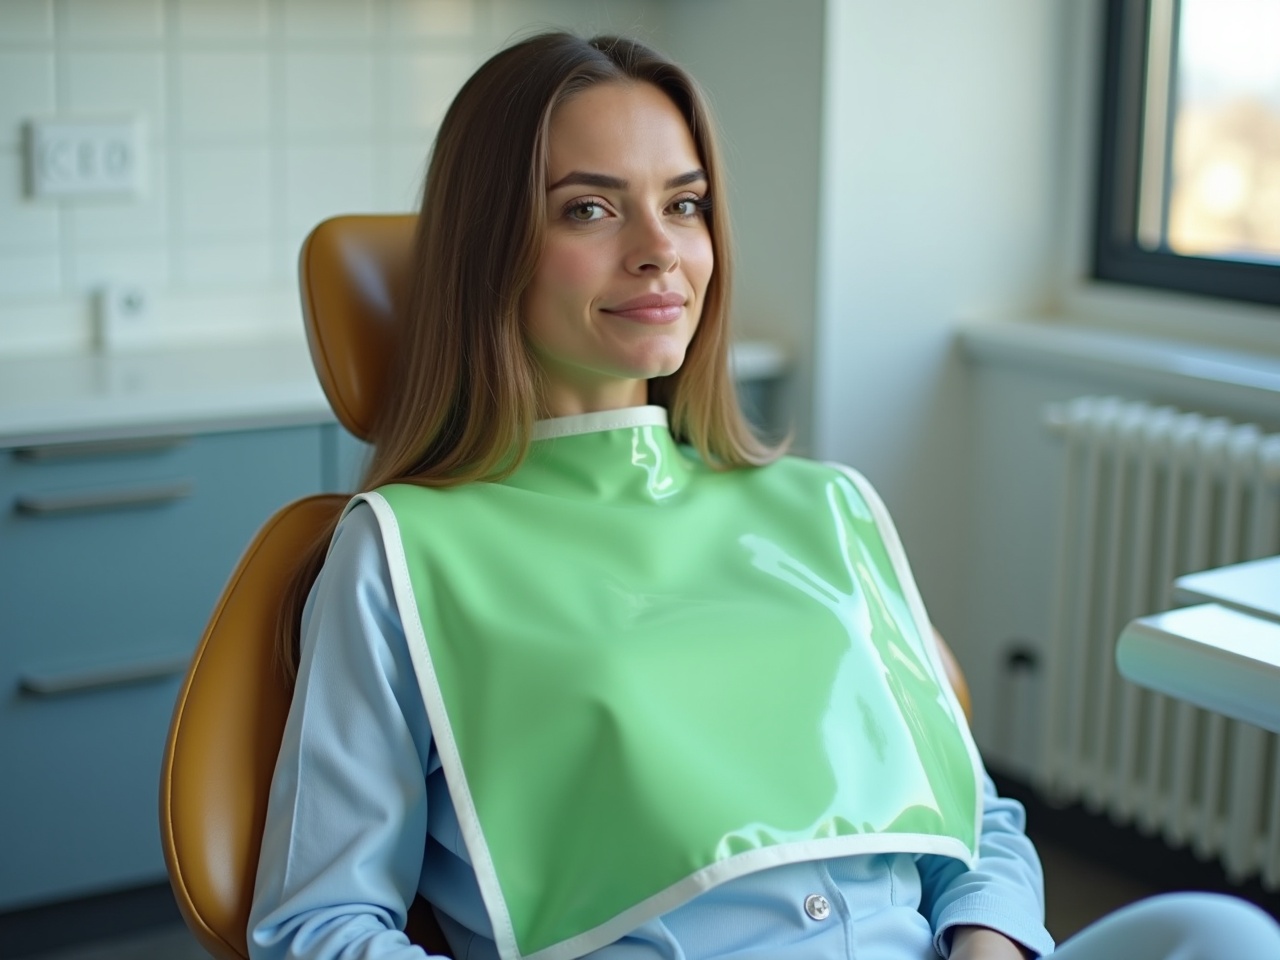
{"type": "Point", "coordinates": [646, 677]}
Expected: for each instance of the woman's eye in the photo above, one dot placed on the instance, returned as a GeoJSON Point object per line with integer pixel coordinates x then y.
{"type": "Point", "coordinates": [585, 212]}
{"type": "Point", "coordinates": [687, 207]}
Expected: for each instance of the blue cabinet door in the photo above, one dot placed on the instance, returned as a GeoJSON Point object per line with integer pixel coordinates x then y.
{"type": "Point", "coordinates": [110, 565]}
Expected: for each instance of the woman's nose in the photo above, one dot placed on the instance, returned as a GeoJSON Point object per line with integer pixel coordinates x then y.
{"type": "Point", "coordinates": [652, 249]}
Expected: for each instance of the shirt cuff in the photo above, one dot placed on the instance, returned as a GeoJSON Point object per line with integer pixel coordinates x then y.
{"type": "Point", "coordinates": [985, 910]}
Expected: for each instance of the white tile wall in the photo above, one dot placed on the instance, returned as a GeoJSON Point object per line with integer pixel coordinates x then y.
{"type": "Point", "coordinates": [221, 19]}
{"type": "Point", "coordinates": [334, 20]}
{"type": "Point", "coordinates": [26, 90]}
{"type": "Point", "coordinates": [420, 87]}
{"type": "Point", "coordinates": [328, 92]}
{"type": "Point", "coordinates": [24, 227]}
{"type": "Point", "coordinates": [218, 265]}
{"type": "Point", "coordinates": [97, 22]}
{"type": "Point", "coordinates": [225, 192]}
{"type": "Point", "coordinates": [30, 274]}
{"type": "Point", "coordinates": [261, 118]}
{"type": "Point", "coordinates": [431, 18]}
{"type": "Point", "coordinates": [116, 83]}
{"type": "Point", "coordinates": [26, 20]}
{"type": "Point", "coordinates": [223, 94]}
{"type": "Point", "coordinates": [144, 263]}
{"type": "Point", "coordinates": [322, 179]}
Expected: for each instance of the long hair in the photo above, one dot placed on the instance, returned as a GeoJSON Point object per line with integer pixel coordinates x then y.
{"type": "Point", "coordinates": [464, 392]}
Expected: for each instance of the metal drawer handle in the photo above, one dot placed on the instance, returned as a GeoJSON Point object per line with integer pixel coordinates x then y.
{"type": "Point", "coordinates": [56, 684]}
{"type": "Point", "coordinates": [45, 505]}
{"type": "Point", "coordinates": [97, 448]}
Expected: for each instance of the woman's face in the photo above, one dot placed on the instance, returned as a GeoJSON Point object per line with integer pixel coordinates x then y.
{"type": "Point", "coordinates": [620, 284]}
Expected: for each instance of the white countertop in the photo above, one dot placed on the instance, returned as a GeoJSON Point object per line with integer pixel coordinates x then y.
{"type": "Point", "coordinates": [50, 399]}
{"type": "Point", "coordinates": [57, 399]}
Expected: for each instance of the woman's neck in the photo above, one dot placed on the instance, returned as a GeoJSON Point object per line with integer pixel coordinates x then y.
{"type": "Point", "coordinates": [568, 400]}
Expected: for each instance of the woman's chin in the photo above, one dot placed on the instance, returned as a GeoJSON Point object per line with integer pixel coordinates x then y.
{"type": "Point", "coordinates": [662, 365]}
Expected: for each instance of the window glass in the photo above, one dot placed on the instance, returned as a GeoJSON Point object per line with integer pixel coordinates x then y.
{"type": "Point", "coordinates": [1217, 137]}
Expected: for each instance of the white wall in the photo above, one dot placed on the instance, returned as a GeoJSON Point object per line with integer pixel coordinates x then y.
{"type": "Point", "coordinates": [760, 62]}
{"type": "Point", "coordinates": [938, 203]}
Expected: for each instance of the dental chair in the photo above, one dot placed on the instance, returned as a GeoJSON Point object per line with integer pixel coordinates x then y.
{"type": "Point", "coordinates": [230, 713]}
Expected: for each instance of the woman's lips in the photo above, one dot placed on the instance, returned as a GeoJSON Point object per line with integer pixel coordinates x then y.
{"type": "Point", "coordinates": [651, 308]}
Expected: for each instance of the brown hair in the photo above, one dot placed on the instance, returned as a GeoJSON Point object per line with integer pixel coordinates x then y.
{"type": "Point", "coordinates": [465, 389]}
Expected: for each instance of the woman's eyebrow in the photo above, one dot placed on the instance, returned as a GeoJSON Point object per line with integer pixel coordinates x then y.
{"type": "Point", "coordinates": [581, 178]}
{"type": "Point", "coordinates": [693, 176]}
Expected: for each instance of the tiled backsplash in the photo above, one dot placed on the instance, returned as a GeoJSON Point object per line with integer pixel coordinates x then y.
{"type": "Point", "coordinates": [261, 117]}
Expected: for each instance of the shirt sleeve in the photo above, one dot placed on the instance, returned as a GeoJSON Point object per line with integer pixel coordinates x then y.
{"type": "Point", "coordinates": [346, 824]}
{"type": "Point", "coordinates": [1004, 891]}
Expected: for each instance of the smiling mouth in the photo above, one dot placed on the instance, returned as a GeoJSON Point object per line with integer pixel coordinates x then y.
{"type": "Point", "coordinates": [650, 314]}
{"type": "Point", "coordinates": [650, 308]}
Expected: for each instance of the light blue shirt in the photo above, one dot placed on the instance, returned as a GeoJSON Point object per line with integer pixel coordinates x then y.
{"type": "Point", "coordinates": [360, 820]}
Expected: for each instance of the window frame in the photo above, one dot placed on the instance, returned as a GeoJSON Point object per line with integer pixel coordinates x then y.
{"type": "Point", "coordinates": [1117, 256]}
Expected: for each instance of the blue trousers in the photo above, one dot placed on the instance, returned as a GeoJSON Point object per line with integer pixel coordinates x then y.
{"type": "Point", "coordinates": [1178, 926]}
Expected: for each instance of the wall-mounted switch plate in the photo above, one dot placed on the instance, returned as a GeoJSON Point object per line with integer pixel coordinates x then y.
{"type": "Point", "coordinates": [122, 316]}
{"type": "Point", "coordinates": [71, 158]}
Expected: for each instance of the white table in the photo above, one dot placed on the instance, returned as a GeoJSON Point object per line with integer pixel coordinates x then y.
{"type": "Point", "coordinates": [1223, 652]}
{"type": "Point", "coordinates": [1252, 587]}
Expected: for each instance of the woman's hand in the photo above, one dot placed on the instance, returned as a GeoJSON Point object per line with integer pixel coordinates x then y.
{"type": "Point", "coordinates": [980, 943]}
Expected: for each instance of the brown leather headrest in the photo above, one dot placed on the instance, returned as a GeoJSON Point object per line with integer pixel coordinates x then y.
{"type": "Point", "coordinates": [354, 275]}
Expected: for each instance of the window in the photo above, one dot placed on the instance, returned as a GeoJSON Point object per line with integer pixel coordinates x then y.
{"type": "Point", "coordinates": [1189, 176]}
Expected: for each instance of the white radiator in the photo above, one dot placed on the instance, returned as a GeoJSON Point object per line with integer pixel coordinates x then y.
{"type": "Point", "coordinates": [1150, 494]}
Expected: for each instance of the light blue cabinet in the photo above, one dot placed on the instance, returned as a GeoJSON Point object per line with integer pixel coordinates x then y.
{"type": "Point", "coordinates": [112, 556]}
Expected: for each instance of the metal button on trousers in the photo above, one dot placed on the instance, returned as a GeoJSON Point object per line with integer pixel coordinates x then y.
{"type": "Point", "coordinates": [816, 906]}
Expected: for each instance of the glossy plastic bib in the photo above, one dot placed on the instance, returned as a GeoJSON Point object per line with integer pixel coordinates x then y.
{"type": "Point", "coordinates": [646, 677]}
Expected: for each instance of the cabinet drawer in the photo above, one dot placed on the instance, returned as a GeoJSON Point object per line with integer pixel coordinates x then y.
{"type": "Point", "coordinates": [79, 803]}
{"type": "Point", "coordinates": [110, 563]}
{"type": "Point", "coordinates": [125, 553]}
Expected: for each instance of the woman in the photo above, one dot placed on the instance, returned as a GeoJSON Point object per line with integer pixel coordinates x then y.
{"type": "Point", "coordinates": [622, 682]}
